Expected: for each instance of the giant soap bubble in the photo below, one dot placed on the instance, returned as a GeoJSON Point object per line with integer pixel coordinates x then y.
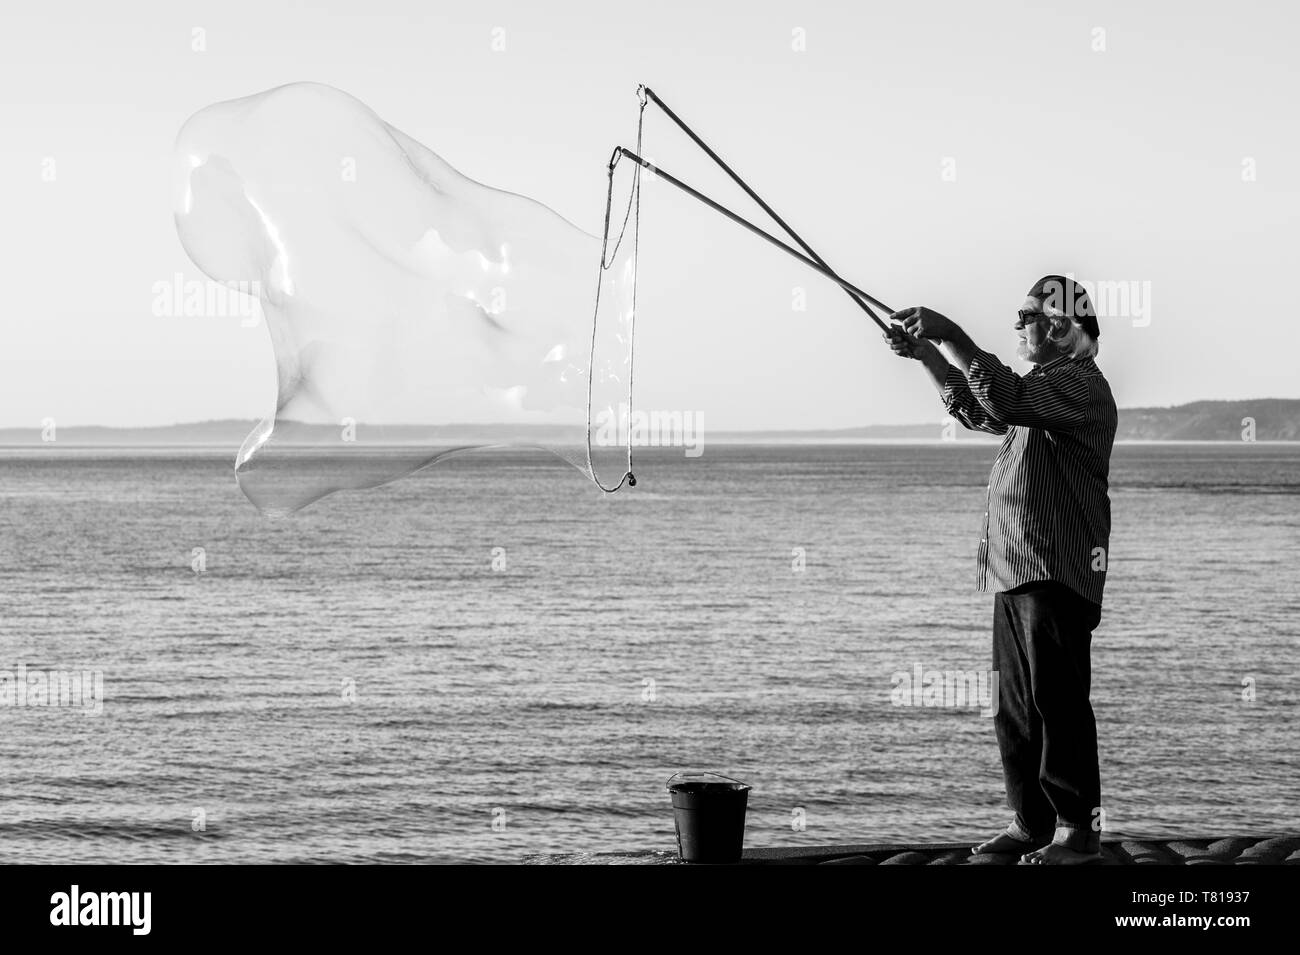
{"type": "Point", "coordinates": [413, 312]}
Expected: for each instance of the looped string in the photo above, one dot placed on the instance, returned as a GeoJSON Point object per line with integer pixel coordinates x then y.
{"type": "Point", "coordinates": [606, 261]}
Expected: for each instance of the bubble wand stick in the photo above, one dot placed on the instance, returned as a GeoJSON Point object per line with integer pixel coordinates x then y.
{"type": "Point", "coordinates": [811, 259]}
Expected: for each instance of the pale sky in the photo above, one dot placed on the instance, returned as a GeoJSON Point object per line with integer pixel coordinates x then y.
{"type": "Point", "coordinates": [945, 154]}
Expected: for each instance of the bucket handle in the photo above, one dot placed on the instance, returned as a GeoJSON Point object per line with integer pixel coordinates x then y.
{"type": "Point", "coordinates": [707, 773]}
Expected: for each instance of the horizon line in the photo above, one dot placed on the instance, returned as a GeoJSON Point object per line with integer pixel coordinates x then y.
{"type": "Point", "coordinates": [536, 424]}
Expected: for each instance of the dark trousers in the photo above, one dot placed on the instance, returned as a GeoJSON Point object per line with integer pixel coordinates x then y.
{"type": "Point", "coordinates": [1046, 732]}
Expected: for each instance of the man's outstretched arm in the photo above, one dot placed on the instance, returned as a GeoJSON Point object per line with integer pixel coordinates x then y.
{"type": "Point", "coordinates": [1052, 402]}
{"type": "Point", "coordinates": [949, 381]}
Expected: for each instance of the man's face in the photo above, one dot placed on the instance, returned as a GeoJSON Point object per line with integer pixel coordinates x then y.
{"type": "Point", "coordinates": [1032, 332]}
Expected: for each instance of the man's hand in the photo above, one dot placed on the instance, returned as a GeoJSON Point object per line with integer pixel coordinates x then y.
{"type": "Point", "coordinates": [927, 353]}
{"type": "Point", "coordinates": [921, 322]}
{"type": "Point", "coordinates": [905, 346]}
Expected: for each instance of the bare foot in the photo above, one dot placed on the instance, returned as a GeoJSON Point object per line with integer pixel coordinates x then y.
{"type": "Point", "coordinates": [1054, 854]}
{"type": "Point", "coordinates": [1002, 843]}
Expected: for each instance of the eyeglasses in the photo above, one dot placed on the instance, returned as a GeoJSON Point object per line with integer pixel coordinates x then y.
{"type": "Point", "coordinates": [1028, 318]}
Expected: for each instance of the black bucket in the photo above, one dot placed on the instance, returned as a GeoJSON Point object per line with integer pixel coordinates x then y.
{"type": "Point", "coordinates": [710, 817]}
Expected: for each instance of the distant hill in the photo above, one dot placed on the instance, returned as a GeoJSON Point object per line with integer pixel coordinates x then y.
{"type": "Point", "coordinates": [1275, 419]}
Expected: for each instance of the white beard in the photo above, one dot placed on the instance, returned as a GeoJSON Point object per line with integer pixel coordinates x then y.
{"type": "Point", "coordinates": [1027, 353]}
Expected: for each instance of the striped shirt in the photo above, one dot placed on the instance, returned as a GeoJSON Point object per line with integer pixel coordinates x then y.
{"type": "Point", "coordinates": [1048, 515]}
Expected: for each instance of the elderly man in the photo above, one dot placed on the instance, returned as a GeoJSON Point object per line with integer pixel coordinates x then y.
{"type": "Point", "coordinates": [1043, 551]}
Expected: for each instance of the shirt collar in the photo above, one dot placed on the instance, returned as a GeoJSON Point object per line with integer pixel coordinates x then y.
{"type": "Point", "coordinates": [1052, 364]}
